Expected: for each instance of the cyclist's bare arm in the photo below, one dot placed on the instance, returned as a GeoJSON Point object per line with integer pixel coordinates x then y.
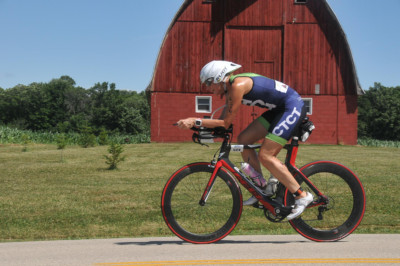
{"type": "Point", "coordinates": [234, 98]}
{"type": "Point", "coordinates": [224, 111]}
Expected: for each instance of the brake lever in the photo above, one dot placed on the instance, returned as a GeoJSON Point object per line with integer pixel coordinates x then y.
{"type": "Point", "coordinates": [196, 139]}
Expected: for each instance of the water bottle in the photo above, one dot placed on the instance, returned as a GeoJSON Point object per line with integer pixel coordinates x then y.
{"type": "Point", "coordinates": [257, 178]}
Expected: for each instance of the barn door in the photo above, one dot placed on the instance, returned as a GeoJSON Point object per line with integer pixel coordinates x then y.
{"type": "Point", "coordinates": [258, 50]}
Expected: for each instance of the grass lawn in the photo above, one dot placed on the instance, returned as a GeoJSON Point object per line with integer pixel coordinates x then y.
{"type": "Point", "coordinates": [47, 193]}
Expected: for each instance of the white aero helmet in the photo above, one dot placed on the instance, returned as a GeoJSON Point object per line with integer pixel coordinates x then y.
{"type": "Point", "coordinates": [216, 71]}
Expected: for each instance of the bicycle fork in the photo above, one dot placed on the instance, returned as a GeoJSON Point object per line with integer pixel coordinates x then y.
{"type": "Point", "coordinates": [210, 184]}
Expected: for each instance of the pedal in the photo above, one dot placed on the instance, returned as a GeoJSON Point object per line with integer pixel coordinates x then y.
{"type": "Point", "coordinates": [284, 211]}
{"type": "Point", "coordinates": [257, 205]}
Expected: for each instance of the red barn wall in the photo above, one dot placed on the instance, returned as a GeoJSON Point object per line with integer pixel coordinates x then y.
{"type": "Point", "coordinates": [333, 123]}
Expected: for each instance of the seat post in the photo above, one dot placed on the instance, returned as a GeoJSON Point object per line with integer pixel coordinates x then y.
{"type": "Point", "coordinates": [292, 149]}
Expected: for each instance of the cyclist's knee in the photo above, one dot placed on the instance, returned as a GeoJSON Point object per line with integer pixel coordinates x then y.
{"type": "Point", "coordinates": [268, 152]}
{"type": "Point", "coordinates": [266, 158]}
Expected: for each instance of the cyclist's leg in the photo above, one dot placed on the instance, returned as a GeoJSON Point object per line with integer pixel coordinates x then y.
{"type": "Point", "coordinates": [253, 133]}
{"type": "Point", "coordinates": [267, 156]}
{"type": "Point", "coordinates": [283, 123]}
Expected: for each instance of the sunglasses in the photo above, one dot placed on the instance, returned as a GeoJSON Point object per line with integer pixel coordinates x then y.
{"type": "Point", "coordinates": [209, 81]}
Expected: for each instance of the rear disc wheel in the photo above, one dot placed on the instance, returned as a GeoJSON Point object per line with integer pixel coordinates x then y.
{"type": "Point", "coordinates": [345, 206]}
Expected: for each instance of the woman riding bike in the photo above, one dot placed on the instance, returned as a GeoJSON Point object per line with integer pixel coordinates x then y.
{"type": "Point", "coordinates": [275, 126]}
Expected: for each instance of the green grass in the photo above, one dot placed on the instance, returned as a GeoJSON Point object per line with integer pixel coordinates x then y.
{"type": "Point", "coordinates": [46, 196]}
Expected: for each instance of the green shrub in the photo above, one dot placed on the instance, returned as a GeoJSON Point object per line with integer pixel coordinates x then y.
{"type": "Point", "coordinates": [115, 156]}
{"type": "Point", "coordinates": [103, 137]}
{"type": "Point", "coordinates": [87, 138]}
{"type": "Point", "coordinates": [25, 141]}
{"type": "Point", "coordinates": [61, 142]}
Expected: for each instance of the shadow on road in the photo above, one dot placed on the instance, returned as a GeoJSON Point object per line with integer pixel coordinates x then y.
{"type": "Point", "coordinates": [222, 242]}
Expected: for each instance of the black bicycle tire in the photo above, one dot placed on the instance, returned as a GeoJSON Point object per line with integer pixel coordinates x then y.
{"type": "Point", "coordinates": [183, 233]}
{"type": "Point", "coordinates": [358, 208]}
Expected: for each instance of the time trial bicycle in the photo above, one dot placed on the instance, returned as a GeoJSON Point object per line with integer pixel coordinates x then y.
{"type": "Point", "coordinates": [202, 202]}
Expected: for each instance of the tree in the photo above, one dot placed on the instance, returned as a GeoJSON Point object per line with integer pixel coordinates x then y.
{"type": "Point", "coordinates": [2, 104]}
{"type": "Point", "coordinates": [106, 106]}
{"type": "Point", "coordinates": [12, 105]}
{"type": "Point", "coordinates": [68, 79]}
{"type": "Point", "coordinates": [61, 106]}
{"type": "Point", "coordinates": [379, 113]}
{"type": "Point", "coordinates": [76, 100]}
{"type": "Point", "coordinates": [135, 115]}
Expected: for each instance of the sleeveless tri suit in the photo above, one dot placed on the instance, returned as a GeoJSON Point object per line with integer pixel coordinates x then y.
{"type": "Point", "coordinates": [284, 104]}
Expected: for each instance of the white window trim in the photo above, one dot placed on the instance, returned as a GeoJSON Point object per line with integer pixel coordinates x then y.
{"type": "Point", "coordinates": [311, 105]}
{"type": "Point", "coordinates": [197, 104]}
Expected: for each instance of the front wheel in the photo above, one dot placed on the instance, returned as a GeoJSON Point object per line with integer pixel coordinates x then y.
{"type": "Point", "coordinates": [345, 206]}
{"type": "Point", "coordinates": [187, 217]}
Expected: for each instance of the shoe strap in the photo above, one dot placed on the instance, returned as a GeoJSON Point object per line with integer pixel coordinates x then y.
{"type": "Point", "coordinates": [298, 192]}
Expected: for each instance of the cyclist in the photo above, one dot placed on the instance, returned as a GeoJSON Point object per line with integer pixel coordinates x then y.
{"type": "Point", "coordinates": [275, 126]}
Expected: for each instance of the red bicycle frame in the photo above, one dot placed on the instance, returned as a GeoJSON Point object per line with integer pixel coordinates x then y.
{"type": "Point", "coordinates": [270, 204]}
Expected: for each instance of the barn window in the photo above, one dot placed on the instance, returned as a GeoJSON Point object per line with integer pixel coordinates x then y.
{"type": "Point", "coordinates": [300, 1]}
{"type": "Point", "coordinates": [203, 104]}
{"type": "Point", "coordinates": [308, 105]}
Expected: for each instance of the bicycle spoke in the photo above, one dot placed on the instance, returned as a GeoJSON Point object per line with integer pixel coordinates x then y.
{"type": "Point", "coordinates": [195, 222]}
{"type": "Point", "coordinates": [196, 218]}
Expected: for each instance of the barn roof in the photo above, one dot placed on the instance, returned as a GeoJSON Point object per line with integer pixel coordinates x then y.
{"type": "Point", "coordinates": [177, 15]}
{"type": "Point", "coordinates": [186, 3]}
{"type": "Point", "coordinates": [360, 91]}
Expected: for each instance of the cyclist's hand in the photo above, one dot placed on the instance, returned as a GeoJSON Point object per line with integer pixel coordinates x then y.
{"type": "Point", "coordinates": [187, 123]}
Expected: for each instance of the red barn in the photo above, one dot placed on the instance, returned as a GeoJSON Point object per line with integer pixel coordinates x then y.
{"type": "Point", "coordinates": [299, 42]}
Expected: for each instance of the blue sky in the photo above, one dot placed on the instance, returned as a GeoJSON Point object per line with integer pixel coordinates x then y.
{"type": "Point", "coordinates": [118, 41]}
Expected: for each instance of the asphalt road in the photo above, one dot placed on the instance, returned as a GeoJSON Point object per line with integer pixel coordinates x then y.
{"type": "Point", "coordinates": [233, 250]}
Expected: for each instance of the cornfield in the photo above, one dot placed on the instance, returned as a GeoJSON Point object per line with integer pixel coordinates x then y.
{"type": "Point", "coordinates": [378, 143]}
{"type": "Point", "coordinates": [16, 136]}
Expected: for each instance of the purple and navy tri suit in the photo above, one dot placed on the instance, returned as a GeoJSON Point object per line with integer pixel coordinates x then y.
{"type": "Point", "coordinates": [284, 104]}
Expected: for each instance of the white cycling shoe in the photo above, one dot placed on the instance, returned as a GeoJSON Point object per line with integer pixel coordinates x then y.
{"type": "Point", "coordinates": [300, 205]}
